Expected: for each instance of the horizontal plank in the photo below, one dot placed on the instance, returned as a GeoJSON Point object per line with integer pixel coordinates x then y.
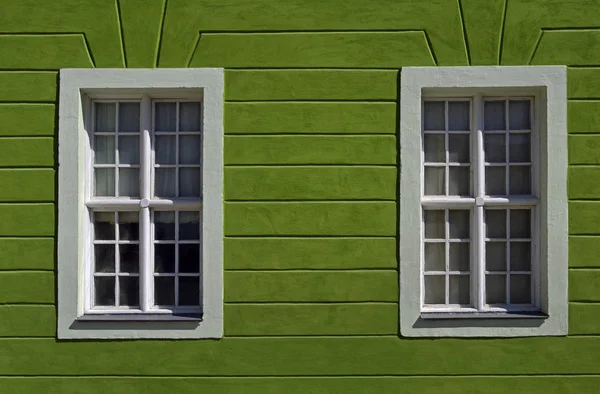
{"type": "Point", "coordinates": [584, 149]}
{"type": "Point", "coordinates": [313, 319]}
{"type": "Point", "coordinates": [583, 182]}
{"type": "Point", "coordinates": [44, 51]}
{"type": "Point", "coordinates": [308, 49]}
{"type": "Point", "coordinates": [35, 220]}
{"type": "Point", "coordinates": [310, 183]}
{"type": "Point", "coordinates": [27, 119]}
{"type": "Point", "coordinates": [27, 185]}
{"type": "Point", "coordinates": [583, 116]}
{"type": "Point", "coordinates": [26, 152]}
{"type": "Point", "coordinates": [584, 217]}
{"type": "Point", "coordinates": [310, 218]}
{"type": "Point", "coordinates": [306, 149]}
{"type": "Point", "coordinates": [26, 287]}
{"type": "Point", "coordinates": [573, 47]}
{"type": "Point", "coordinates": [310, 253]}
{"type": "Point", "coordinates": [26, 253]}
{"type": "Point", "coordinates": [311, 286]}
{"type": "Point", "coordinates": [28, 86]}
{"type": "Point", "coordinates": [582, 83]}
{"type": "Point", "coordinates": [258, 85]}
{"type": "Point", "coordinates": [27, 321]}
{"type": "Point", "coordinates": [584, 319]}
{"type": "Point", "coordinates": [303, 356]}
{"type": "Point", "coordinates": [324, 117]}
{"type": "Point", "coordinates": [303, 385]}
{"type": "Point", "coordinates": [584, 285]}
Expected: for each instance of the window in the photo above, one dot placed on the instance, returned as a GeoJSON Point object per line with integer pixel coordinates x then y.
{"type": "Point", "coordinates": [483, 177]}
{"type": "Point", "coordinates": [140, 204]}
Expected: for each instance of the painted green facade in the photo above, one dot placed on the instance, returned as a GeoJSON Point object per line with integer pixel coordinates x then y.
{"type": "Point", "coordinates": [311, 190]}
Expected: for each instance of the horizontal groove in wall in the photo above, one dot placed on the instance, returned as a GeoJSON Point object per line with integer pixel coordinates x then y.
{"type": "Point", "coordinates": [28, 102]}
{"type": "Point", "coordinates": [294, 134]}
{"type": "Point", "coordinates": [307, 236]}
{"type": "Point", "coordinates": [312, 165]}
{"type": "Point", "coordinates": [309, 200]}
{"type": "Point", "coordinates": [334, 376]}
{"type": "Point", "coordinates": [339, 303]}
{"type": "Point", "coordinates": [313, 68]}
{"type": "Point", "coordinates": [312, 270]}
{"type": "Point", "coordinates": [312, 101]}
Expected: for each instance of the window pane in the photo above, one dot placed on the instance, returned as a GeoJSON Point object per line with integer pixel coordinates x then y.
{"type": "Point", "coordinates": [435, 148]}
{"type": "Point", "coordinates": [104, 258]}
{"type": "Point", "coordinates": [104, 291]}
{"type": "Point", "coordinates": [495, 181]}
{"type": "Point", "coordinates": [104, 149]}
{"type": "Point", "coordinates": [459, 148]}
{"type": "Point", "coordinates": [105, 181]}
{"type": "Point", "coordinates": [189, 258]}
{"type": "Point", "coordinates": [105, 117]}
{"type": "Point", "coordinates": [520, 289]}
{"type": "Point", "coordinates": [458, 115]}
{"type": "Point", "coordinates": [494, 115]}
{"type": "Point", "coordinates": [459, 221]}
{"type": "Point", "coordinates": [520, 256]}
{"type": "Point", "coordinates": [165, 116]}
{"type": "Point", "coordinates": [435, 256]}
{"type": "Point", "coordinates": [129, 182]}
{"type": "Point", "coordinates": [435, 224]}
{"type": "Point", "coordinates": [495, 289]}
{"type": "Point", "coordinates": [460, 289]}
{"type": "Point", "coordinates": [434, 115]}
{"type": "Point", "coordinates": [520, 180]}
{"type": "Point", "coordinates": [129, 228]}
{"type": "Point", "coordinates": [189, 290]}
{"type": "Point", "coordinates": [459, 182]}
{"type": "Point", "coordinates": [164, 291]}
{"type": "Point", "coordinates": [460, 256]}
{"type": "Point", "coordinates": [166, 149]}
{"type": "Point", "coordinates": [435, 178]}
{"type": "Point", "coordinates": [189, 182]}
{"type": "Point", "coordinates": [129, 258]}
{"type": "Point", "coordinates": [520, 147]}
{"type": "Point", "coordinates": [190, 149]}
{"type": "Point", "coordinates": [129, 117]}
{"type": "Point", "coordinates": [164, 182]}
{"type": "Point", "coordinates": [104, 225]}
{"type": "Point", "coordinates": [164, 258]}
{"type": "Point", "coordinates": [164, 225]}
{"type": "Point", "coordinates": [189, 116]}
{"type": "Point", "coordinates": [494, 148]}
{"type": "Point", "coordinates": [518, 115]}
{"type": "Point", "coordinates": [129, 149]}
{"type": "Point", "coordinates": [520, 223]}
{"type": "Point", "coordinates": [189, 225]}
{"type": "Point", "coordinates": [495, 256]}
{"type": "Point", "coordinates": [129, 291]}
{"type": "Point", "coordinates": [435, 289]}
{"type": "Point", "coordinates": [495, 223]}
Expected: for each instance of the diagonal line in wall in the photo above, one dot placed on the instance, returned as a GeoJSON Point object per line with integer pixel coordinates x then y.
{"type": "Point", "coordinates": [121, 34]}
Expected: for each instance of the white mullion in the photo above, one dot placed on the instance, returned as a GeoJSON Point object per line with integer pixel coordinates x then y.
{"type": "Point", "coordinates": [145, 245]}
{"type": "Point", "coordinates": [507, 262]}
{"type": "Point", "coordinates": [117, 258]}
{"type": "Point", "coordinates": [478, 263]}
{"type": "Point", "coordinates": [506, 150]}
{"type": "Point", "coordinates": [446, 153]}
{"type": "Point", "coordinates": [177, 149]}
{"type": "Point", "coordinates": [447, 254]}
{"type": "Point", "coordinates": [176, 278]}
{"type": "Point", "coordinates": [117, 149]}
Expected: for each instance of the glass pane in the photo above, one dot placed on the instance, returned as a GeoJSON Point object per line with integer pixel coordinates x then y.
{"type": "Point", "coordinates": [435, 148]}
{"type": "Point", "coordinates": [129, 182]}
{"type": "Point", "coordinates": [129, 149]}
{"type": "Point", "coordinates": [520, 289]}
{"type": "Point", "coordinates": [164, 182]}
{"type": "Point", "coordinates": [189, 225]}
{"type": "Point", "coordinates": [460, 181]}
{"type": "Point", "coordinates": [164, 225]}
{"type": "Point", "coordinates": [460, 289]}
{"type": "Point", "coordinates": [495, 223]}
{"type": "Point", "coordinates": [104, 258]}
{"type": "Point", "coordinates": [189, 258]}
{"type": "Point", "coordinates": [435, 224]}
{"type": "Point", "coordinates": [104, 291]}
{"type": "Point", "coordinates": [129, 226]}
{"type": "Point", "coordinates": [495, 181]}
{"type": "Point", "coordinates": [435, 256]}
{"type": "Point", "coordinates": [129, 291]}
{"type": "Point", "coordinates": [164, 258]}
{"type": "Point", "coordinates": [105, 181]}
{"type": "Point", "coordinates": [129, 256]}
{"type": "Point", "coordinates": [435, 178]}
{"type": "Point", "coordinates": [435, 289]}
{"type": "Point", "coordinates": [164, 291]}
{"type": "Point", "coordinates": [495, 256]}
{"type": "Point", "coordinates": [459, 148]}
{"type": "Point", "coordinates": [129, 117]}
{"type": "Point", "coordinates": [459, 223]}
{"type": "Point", "coordinates": [166, 149]}
{"type": "Point", "coordinates": [189, 116]}
{"type": "Point", "coordinates": [104, 225]}
{"type": "Point", "coordinates": [104, 149]}
{"type": "Point", "coordinates": [189, 290]}
{"type": "Point", "coordinates": [520, 180]}
{"type": "Point", "coordinates": [495, 289]}
{"type": "Point", "coordinates": [460, 256]}
{"type": "Point", "coordinates": [458, 115]}
{"type": "Point", "coordinates": [494, 147]}
{"type": "Point", "coordinates": [520, 223]}
{"type": "Point", "coordinates": [190, 149]}
{"type": "Point", "coordinates": [165, 116]}
{"type": "Point", "coordinates": [520, 147]}
{"type": "Point", "coordinates": [189, 182]}
{"type": "Point", "coordinates": [105, 117]}
{"type": "Point", "coordinates": [520, 256]}
{"type": "Point", "coordinates": [434, 115]}
{"type": "Point", "coordinates": [494, 116]}
{"type": "Point", "coordinates": [518, 115]}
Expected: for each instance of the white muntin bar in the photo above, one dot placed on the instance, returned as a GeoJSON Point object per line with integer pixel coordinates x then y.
{"type": "Point", "coordinates": [145, 193]}
{"type": "Point", "coordinates": [478, 220]}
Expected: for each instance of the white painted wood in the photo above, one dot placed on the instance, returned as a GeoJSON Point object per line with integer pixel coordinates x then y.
{"type": "Point", "coordinates": [478, 220]}
{"type": "Point", "coordinates": [146, 288]}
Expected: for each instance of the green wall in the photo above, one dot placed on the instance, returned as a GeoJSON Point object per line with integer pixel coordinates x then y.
{"type": "Point", "coordinates": [311, 293]}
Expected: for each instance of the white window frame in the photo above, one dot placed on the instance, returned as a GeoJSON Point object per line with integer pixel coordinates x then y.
{"type": "Point", "coordinates": [547, 84]}
{"type": "Point", "coordinates": [78, 89]}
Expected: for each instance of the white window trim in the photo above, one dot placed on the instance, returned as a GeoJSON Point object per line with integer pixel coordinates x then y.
{"type": "Point", "coordinates": [548, 84]}
{"type": "Point", "coordinates": [76, 86]}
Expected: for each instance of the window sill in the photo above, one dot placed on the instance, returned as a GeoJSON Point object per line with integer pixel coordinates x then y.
{"type": "Point", "coordinates": [482, 315]}
{"type": "Point", "coordinates": [162, 317]}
